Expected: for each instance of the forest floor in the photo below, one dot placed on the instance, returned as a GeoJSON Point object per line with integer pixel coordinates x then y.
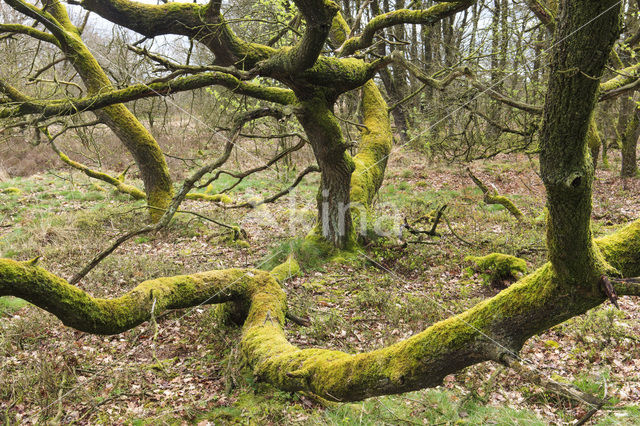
{"type": "Point", "coordinates": [192, 372]}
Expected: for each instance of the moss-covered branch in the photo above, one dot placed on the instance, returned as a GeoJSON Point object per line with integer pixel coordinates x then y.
{"type": "Point", "coordinates": [491, 330]}
{"type": "Point", "coordinates": [203, 23]}
{"type": "Point", "coordinates": [70, 106]}
{"type": "Point", "coordinates": [148, 19]}
{"type": "Point", "coordinates": [318, 15]}
{"type": "Point", "coordinates": [375, 147]}
{"type": "Point", "coordinates": [491, 196]}
{"type": "Point", "coordinates": [110, 316]}
{"type": "Point", "coordinates": [544, 13]}
{"type": "Point", "coordinates": [402, 16]}
{"type": "Point", "coordinates": [29, 31]}
{"type": "Point", "coordinates": [118, 184]}
{"type": "Point", "coordinates": [627, 287]}
{"type": "Point", "coordinates": [626, 80]}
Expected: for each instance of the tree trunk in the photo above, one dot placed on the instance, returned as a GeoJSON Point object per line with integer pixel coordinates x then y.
{"type": "Point", "coordinates": [629, 146]}
{"type": "Point", "coordinates": [134, 136]}
{"type": "Point", "coordinates": [336, 166]}
{"type": "Point", "coordinates": [564, 163]}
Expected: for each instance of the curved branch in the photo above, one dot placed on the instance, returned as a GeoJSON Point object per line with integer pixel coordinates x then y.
{"type": "Point", "coordinates": [491, 330]}
{"type": "Point", "coordinates": [271, 199]}
{"type": "Point", "coordinates": [203, 23]}
{"type": "Point", "coordinates": [401, 16]}
{"type": "Point", "coordinates": [116, 183]}
{"type": "Point", "coordinates": [41, 16]}
{"type": "Point", "coordinates": [627, 79]}
{"type": "Point", "coordinates": [148, 19]}
{"type": "Point", "coordinates": [491, 196]}
{"type": "Point", "coordinates": [543, 13]}
{"type": "Point", "coordinates": [441, 84]}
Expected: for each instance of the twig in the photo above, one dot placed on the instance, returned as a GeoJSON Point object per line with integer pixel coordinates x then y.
{"type": "Point", "coordinates": [432, 232]}
{"type": "Point", "coordinates": [594, 410]}
{"type": "Point", "coordinates": [567, 390]}
{"type": "Point", "coordinates": [310, 169]}
{"type": "Point", "coordinates": [304, 322]}
{"type": "Point", "coordinates": [454, 232]}
{"type": "Point", "coordinates": [353, 123]}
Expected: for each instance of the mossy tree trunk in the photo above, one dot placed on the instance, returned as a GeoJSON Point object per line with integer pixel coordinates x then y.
{"type": "Point", "coordinates": [565, 164]}
{"type": "Point", "coordinates": [630, 145]}
{"type": "Point", "coordinates": [133, 135]}
{"type": "Point", "coordinates": [336, 166]}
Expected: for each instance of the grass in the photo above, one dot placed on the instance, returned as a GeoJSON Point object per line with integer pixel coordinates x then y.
{"type": "Point", "coordinates": [9, 304]}
{"type": "Point", "coordinates": [192, 371]}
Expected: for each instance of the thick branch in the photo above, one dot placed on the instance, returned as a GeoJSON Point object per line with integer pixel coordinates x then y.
{"type": "Point", "coordinates": [627, 79]}
{"type": "Point", "coordinates": [543, 13]}
{"type": "Point", "coordinates": [203, 23]}
{"type": "Point", "coordinates": [495, 329]}
{"type": "Point", "coordinates": [148, 19]}
{"type": "Point", "coordinates": [61, 107]}
{"type": "Point", "coordinates": [29, 31]}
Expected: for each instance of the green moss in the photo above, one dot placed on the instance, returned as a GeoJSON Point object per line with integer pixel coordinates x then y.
{"type": "Point", "coordinates": [622, 249]}
{"type": "Point", "coordinates": [94, 186]}
{"type": "Point", "coordinates": [504, 202]}
{"type": "Point", "coordinates": [500, 267]}
{"type": "Point", "coordinates": [218, 198]}
{"type": "Point", "coordinates": [242, 244]}
{"type": "Point", "coordinates": [288, 269]}
{"type": "Point", "coordinates": [375, 146]}
{"type": "Point", "coordinates": [594, 141]}
{"type": "Point", "coordinates": [11, 191]}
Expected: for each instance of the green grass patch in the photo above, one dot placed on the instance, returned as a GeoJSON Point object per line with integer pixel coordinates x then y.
{"type": "Point", "coordinates": [9, 304]}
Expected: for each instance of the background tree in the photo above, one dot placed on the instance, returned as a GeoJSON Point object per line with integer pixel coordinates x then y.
{"type": "Point", "coordinates": [140, 143]}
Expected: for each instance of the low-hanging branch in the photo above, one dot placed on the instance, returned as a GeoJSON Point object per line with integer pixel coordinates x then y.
{"type": "Point", "coordinates": [278, 195]}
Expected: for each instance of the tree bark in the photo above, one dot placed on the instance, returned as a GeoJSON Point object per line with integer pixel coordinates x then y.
{"type": "Point", "coordinates": [576, 67]}
{"type": "Point", "coordinates": [630, 145]}
{"type": "Point", "coordinates": [336, 166]}
{"type": "Point", "coordinates": [133, 135]}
